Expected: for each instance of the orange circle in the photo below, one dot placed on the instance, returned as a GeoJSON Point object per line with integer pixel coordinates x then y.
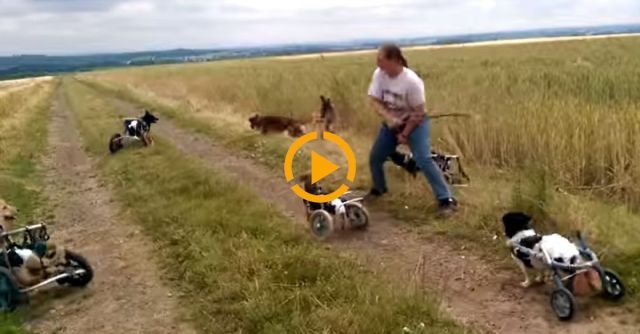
{"type": "Point", "coordinates": [297, 145]}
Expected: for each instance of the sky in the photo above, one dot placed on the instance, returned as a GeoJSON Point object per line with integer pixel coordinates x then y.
{"type": "Point", "coordinates": [89, 26]}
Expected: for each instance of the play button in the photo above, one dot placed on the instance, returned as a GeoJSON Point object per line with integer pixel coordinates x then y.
{"type": "Point", "coordinates": [321, 167]}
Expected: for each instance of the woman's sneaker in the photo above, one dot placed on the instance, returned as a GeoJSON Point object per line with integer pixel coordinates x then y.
{"type": "Point", "coordinates": [447, 207]}
{"type": "Point", "coordinates": [373, 194]}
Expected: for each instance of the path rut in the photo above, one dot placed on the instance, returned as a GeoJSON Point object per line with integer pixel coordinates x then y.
{"type": "Point", "coordinates": [126, 294]}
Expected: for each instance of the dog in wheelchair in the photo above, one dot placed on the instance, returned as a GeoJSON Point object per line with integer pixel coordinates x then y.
{"type": "Point", "coordinates": [445, 162]}
{"type": "Point", "coordinates": [134, 129]}
{"type": "Point", "coordinates": [28, 267]}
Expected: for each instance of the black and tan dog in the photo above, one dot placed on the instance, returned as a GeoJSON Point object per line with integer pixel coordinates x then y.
{"type": "Point", "coordinates": [276, 124]}
{"type": "Point", "coordinates": [324, 120]}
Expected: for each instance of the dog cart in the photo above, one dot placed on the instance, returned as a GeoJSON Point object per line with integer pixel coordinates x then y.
{"type": "Point", "coordinates": [563, 300]}
{"type": "Point", "coordinates": [347, 209]}
{"type": "Point", "coordinates": [75, 271]}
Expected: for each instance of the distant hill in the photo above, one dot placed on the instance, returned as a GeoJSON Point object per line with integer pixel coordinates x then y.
{"type": "Point", "coordinates": [20, 66]}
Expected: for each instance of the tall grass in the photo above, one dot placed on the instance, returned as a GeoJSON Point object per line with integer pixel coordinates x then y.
{"type": "Point", "coordinates": [243, 268]}
{"type": "Point", "coordinates": [570, 107]}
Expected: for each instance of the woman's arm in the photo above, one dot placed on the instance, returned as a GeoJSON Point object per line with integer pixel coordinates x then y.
{"type": "Point", "coordinates": [381, 109]}
{"type": "Point", "coordinates": [416, 116]}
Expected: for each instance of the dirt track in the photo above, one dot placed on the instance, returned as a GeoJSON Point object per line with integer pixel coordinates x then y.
{"type": "Point", "coordinates": [126, 295]}
{"type": "Point", "coordinates": [475, 292]}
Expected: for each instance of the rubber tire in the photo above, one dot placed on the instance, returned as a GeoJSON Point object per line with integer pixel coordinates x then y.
{"type": "Point", "coordinates": [357, 207]}
{"type": "Point", "coordinates": [563, 314]}
{"type": "Point", "coordinates": [608, 277]}
{"type": "Point", "coordinates": [9, 291]}
{"type": "Point", "coordinates": [82, 263]}
{"type": "Point", "coordinates": [325, 228]}
{"type": "Point", "coordinates": [113, 145]}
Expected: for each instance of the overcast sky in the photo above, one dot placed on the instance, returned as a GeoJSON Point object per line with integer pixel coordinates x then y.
{"type": "Point", "coordinates": [84, 26]}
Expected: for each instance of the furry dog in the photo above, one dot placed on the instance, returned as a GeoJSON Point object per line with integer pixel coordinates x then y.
{"type": "Point", "coordinates": [140, 127]}
{"type": "Point", "coordinates": [518, 230]}
{"type": "Point", "coordinates": [278, 124]}
{"type": "Point", "coordinates": [327, 116]}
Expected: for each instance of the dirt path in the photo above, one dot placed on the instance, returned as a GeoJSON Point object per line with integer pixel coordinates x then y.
{"type": "Point", "coordinates": [126, 295]}
{"type": "Point", "coordinates": [474, 292]}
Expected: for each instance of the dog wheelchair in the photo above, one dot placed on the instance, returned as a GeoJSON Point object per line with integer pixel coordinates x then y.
{"type": "Point", "coordinates": [75, 271]}
{"type": "Point", "coordinates": [562, 300]}
{"type": "Point", "coordinates": [346, 210]}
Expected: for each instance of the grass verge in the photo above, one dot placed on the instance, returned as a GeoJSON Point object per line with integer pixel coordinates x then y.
{"type": "Point", "coordinates": [241, 265]}
{"type": "Point", "coordinates": [24, 111]}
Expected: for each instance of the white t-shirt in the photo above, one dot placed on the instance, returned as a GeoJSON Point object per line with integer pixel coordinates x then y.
{"type": "Point", "coordinates": [399, 94]}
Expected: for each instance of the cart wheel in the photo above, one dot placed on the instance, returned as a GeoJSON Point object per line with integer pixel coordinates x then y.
{"type": "Point", "coordinates": [321, 224]}
{"type": "Point", "coordinates": [9, 291]}
{"type": "Point", "coordinates": [74, 262]}
{"type": "Point", "coordinates": [115, 143]}
{"type": "Point", "coordinates": [357, 215]}
{"type": "Point", "coordinates": [563, 303]}
{"type": "Point", "coordinates": [612, 287]}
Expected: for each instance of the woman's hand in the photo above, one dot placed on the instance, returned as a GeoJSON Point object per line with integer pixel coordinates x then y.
{"type": "Point", "coordinates": [401, 138]}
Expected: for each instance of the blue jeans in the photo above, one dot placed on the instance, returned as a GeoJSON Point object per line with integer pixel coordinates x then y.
{"type": "Point", "coordinates": [420, 147]}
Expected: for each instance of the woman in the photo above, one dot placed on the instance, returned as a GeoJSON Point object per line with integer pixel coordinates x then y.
{"type": "Point", "coordinates": [398, 96]}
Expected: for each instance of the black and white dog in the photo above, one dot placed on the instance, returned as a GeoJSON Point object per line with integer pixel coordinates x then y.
{"type": "Point", "coordinates": [444, 163]}
{"type": "Point", "coordinates": [140, 127]}
{"type": "Point", "coordinates": [518, 230]}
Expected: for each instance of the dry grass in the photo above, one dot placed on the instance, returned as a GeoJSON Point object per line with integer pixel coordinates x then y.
{"type": "Point", "coordinates": [561, 114]}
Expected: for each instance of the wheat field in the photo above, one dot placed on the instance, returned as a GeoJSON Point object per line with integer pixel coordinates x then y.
{"type": "Point", "coordinates": [554, 131]}
{"type": "Point", "coordinates": [570, 108]}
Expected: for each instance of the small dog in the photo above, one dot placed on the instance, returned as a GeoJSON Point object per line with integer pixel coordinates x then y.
{"type": "Point", "coordinates": [327, 115]}
{"type": "Point", "coordinates": [333, 207]}
{"type": "Point", "coordinates": [518, 230]}
{"type": "Point", "coordinates": [140, 127]}
{"type": "Point", "coordinates": [443, 161]}
{"type": "Point", "coordinates": [27, 266]}
{"type": "Point", "coordinates": [278, 124]}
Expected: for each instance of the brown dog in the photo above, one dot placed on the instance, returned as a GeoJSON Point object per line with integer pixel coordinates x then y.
{"type": "Point", "coordinates": [278, 124]}
{"type": "Point", "coordinates": [7, 215]}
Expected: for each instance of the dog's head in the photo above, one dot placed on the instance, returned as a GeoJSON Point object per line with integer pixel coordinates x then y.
{"type": "Point", "coordinates": [254, 121]}
{"type": "Point", "coordinates": [149, 118]}
{"type": "Point", "coordinates": [515, 222]}
{"type": "Point", "coordinates": [7, 214]}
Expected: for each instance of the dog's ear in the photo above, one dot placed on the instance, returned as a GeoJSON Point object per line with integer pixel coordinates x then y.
{"type": "Point", "coordinates": [515, 222]}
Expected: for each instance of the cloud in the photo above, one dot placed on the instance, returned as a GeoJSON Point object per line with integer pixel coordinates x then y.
{"type": "Point", "coordinates": [80, 26]}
